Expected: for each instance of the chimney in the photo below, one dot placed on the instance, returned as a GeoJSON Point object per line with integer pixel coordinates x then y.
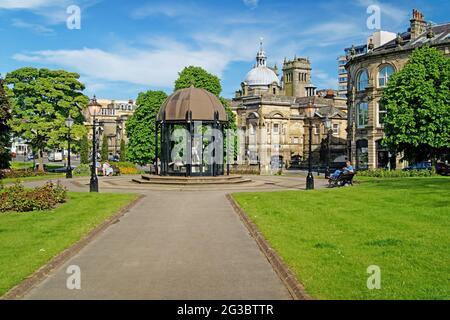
{"type": "Point", "coordinates": [418, 24]}
{"type": "Point", "coordinates": [310, 90]}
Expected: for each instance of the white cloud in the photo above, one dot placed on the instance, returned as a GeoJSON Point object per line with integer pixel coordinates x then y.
{"type": "Point", "coordinates": [26, 4]}
{"type": "Point", "coordinates": [394, 13]}
{"type": "Point", "coordinates": [325, 80]}
{"type": "Point", "coordinates": [251, 3]}
{"type": "Point", "coordinates": [157, 67]}
{"type": "Point", "coordinates": [36, 28]}
{"type": "Point", "coordinates": [171, 10]}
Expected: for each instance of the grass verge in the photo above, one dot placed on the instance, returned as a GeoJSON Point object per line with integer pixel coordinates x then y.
{"type": "Point", "coordinates": [29, 240]}
{"type": "Point", "coordinates": [330, 237]}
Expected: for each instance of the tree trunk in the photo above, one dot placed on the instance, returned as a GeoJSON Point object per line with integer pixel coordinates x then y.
{"type": "Point", "coordinates": [41, 161]}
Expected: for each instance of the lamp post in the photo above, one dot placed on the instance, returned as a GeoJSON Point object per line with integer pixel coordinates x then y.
{"type": "Point", "coordinates": [69, 124]}
{"type": "Point", "coordinates": [310, 112]}
{"type": "Point", "coordinates": [94, 109]}
{"type": "Point", "coordinates": [327, 124]}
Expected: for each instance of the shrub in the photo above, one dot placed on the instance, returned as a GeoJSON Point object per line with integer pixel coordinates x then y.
{"type": "Point", "coordinates": [382, 173]}
{"type": "Point", "coordinates": [19, 199]}
{"type": "Point", "coordinates": [21, 173]}
{"type": "Point", "coordinates": [83, 170]}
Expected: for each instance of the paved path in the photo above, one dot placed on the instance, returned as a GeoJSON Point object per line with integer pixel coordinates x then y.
{"type": "Point", "coordinates": [174, 244]}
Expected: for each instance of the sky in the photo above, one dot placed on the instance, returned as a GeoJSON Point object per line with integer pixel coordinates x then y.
{"type": "Point", "coordinates": [122, 48]}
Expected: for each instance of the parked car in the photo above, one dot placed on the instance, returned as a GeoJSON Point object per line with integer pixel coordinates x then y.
{"type": "Point", "coordinates": [55, 156]}
{"type": "Point", "coordinates": [419, 166]}
{"type": "Point", "coordinates": [31, 156]}
{"type": "Point", "coordinates": [114, 158]}
{"type": "Point", "coordinates": [443, 168]}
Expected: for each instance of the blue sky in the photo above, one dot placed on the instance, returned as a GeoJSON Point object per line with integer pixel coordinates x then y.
{"type": "Point", "coordinates": [124, 47]}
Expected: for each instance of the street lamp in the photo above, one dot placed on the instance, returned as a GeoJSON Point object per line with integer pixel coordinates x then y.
{"type": "Point", "coordinates": [327, 123]}
{"type": "Point", "coordinates": [310, 112]}
{"type": "Point", "coordinates": [94, 109]}
{"type": "Point", "coordinates": [69, 124]}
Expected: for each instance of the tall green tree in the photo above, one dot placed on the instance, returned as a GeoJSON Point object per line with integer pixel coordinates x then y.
{"type": "Point", "coordinates": [84, 150]}
{"type": "Point", "coordinates": [5, 116]}
{"type": "Point", "coordinates": [41, 101]}
{"type": "Point", "coordinates": [123, 151]}
{"type": "Point", "coordinates": [417, 100]}
{"type": "Point", "coordinates": [199, 78]}
{"type": "Point", "coordinates": [141, 127]}
{"type": "Point", "coordinates": [104, 151]}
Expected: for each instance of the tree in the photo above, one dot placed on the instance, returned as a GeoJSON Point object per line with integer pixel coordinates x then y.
{"type": "Point", "coordinates": [123, 151]}
{"type": "Point", "coordinates": [199, 78]}
{"type": "Point", "coordinates": [141, 127]}
{"type": "Point", "coordinates": [41, 101]}
{"type": "Point", "coordinates": [417, 100]}
{"type": "Point", "coordinates": [5, 116]}
{"type": "Point", "coordinates": [104, 152]}
{"type": "Point", "coordinates": [84, 150]}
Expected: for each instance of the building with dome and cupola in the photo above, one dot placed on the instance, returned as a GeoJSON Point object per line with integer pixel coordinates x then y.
{"type": "Point", "coordinates": [270, 113]}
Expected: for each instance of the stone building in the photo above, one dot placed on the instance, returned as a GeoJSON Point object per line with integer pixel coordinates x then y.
{"type": "Point", "coordinates": [111, 120]}
{"type": "Point", "coordinates": [270, 114]}
{"type": "Point", "coordinates": [368, 75]}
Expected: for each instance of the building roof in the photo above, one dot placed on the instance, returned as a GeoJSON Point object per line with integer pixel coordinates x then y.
{"type": "Point", "coordinates": [261, 76]}
{"type": "Point", "coordinates": [192, 104]}
{"type": "Point", "coordinates": [434, 35]}
{"type": "Point", "coordinates": [440, 33]}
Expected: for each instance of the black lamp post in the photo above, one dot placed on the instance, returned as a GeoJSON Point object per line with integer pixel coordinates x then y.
{"type": "Point", "coordinates": [69, 124]}
{"type": "Point", "coordinates": [310, 112]}
{"type": "Point", "coordinates": [94, 109]}
{"type": "Point", "coordinates": [327, 123]}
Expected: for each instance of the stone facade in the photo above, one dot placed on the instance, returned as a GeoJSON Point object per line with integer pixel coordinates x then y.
{"type": "Point", "coordinates": [112, 119]}
{"type": "Point", "coordinates": [271, 117]}
{"type": "Point", "coordinates": [368, 75]}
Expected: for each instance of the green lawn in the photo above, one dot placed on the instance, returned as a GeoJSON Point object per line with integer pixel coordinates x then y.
{"type": "Point", "coordinates": [29, 240]}
{"type": "Point", "coordinates": [47, 176]}
{"type": "Point", "coordinates": [329, 237]}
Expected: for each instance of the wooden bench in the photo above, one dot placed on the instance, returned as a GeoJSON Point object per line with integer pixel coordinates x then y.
{"type": "Point", "coordinates": [345, 178]}
{"type": "Point", "coordinates": [116, 171]}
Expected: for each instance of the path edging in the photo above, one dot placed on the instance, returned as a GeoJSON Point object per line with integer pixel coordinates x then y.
{"type": "Point", "coordinates": [43, 272]}
{"type": "Point", "coordinates": [295, 288]}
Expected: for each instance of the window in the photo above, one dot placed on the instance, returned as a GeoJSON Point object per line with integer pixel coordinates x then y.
{"type": "Point", "coordinates": [252, 129]}
{"type": "Point", "coordinates": [296, 140]}
{"type": "Point", "coordinates": [363, 80]}
{"type": "Point", "coordinates": [381, 113]}
{"type": "Point", "coordinates": [276, 128]}
{"type": "Point", "coordinates": [335, 129]}
{"type": "Point", "coordinates": [362, 115]}
{"type": "Point", "coordinates": [383, 76]}
{"type": "Point", "coordinates": [316, 129]}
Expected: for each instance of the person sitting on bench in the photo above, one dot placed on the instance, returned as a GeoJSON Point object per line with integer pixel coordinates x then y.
{"type": "Point", "coordinates": [347, 168]}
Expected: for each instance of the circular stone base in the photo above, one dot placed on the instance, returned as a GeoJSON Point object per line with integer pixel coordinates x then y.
{"type": "Point", "coordinates": [171, 180]}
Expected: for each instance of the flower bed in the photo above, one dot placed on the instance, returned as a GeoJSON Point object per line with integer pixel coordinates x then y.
{"type": "Point", "coordinates": [19, 199]}
{"type": "Point", "coordinates": [20, 173]}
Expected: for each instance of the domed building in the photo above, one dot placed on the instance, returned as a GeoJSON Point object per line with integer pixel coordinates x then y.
{"type": "Point", "coordinates": [261, 79]}
{"type": "Point", "coordinates": [270, 113]}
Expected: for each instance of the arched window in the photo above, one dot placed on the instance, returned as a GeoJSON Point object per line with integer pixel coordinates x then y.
{"type": "Point", "coordinates": [362, 80]}
{"type": "Point", "coordinates": [384, 74]}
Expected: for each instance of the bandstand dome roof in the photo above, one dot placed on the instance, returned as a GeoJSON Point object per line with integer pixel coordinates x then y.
{"type": "Point", "coordinates": [202, 104]}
